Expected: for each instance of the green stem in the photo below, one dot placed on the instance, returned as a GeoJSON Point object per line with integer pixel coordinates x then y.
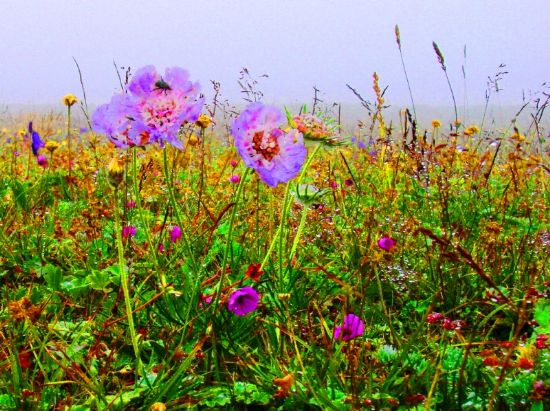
{"type": "Point", "coordinates": [230, 235]}
{"type": "Point", "coordinates": [124, 280]}
{"type": "Point", "coordinates": [279, 235]}
{"type": "Point", "coordinates": [141, 216]}
{"type": "Point", "coordinates": [298, 233]}
{"type": "Point", "coordinates": [69, 136]}
{"type": "Point", "coordinates": [169, 182]}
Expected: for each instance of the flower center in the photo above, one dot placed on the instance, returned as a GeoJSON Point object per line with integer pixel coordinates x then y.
{"type": "Point", "coordinates": [268, 146]}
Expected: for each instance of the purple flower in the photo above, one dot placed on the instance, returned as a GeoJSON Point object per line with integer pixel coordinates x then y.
{"type": "Point", "coordinates": [351, 328]}
{"type": "Point", "coordinates": [235, 178]}
{"type": "Point", "coordinates": [243, 301]}
{"type": "Point", "coordinates": [36, 143]}
{"type": "Point", "coordinates": [153, 111]}
{"type": "Point", "coordinates": [386, 243]}
{"type": "Point", "coordinates": [117, 120]}
{"type": "Point", "coordinates": [42, 161]}
{"type": "Point", "coordinates": [128, 231]}
{"type": "Point", "coordinates": [275, 154]}
{"type": "Point", "coordinates": [164, 103]}
{"type": "Point", "coordinates": [175, 233]}
{"type": "Point", "coordinates": [130, 204]}
{"type": "Point", "coordinates": [362, 145]}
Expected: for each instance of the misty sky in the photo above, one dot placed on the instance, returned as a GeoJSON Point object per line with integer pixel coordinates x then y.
{"type": "Point", "coordinates": [298, 43]}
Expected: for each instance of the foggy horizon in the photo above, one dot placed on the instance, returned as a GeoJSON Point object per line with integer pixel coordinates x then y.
{"type": "Point", "coordinates": [299, 45]}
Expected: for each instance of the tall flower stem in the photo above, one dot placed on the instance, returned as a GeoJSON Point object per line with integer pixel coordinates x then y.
{"type": "Point", "coordinates": [69, 137]}
{"type": "Point", "coordinates": [124, 280]}
{"type": "Point", "coordinates": [228, 242]}
{"type": "Point", "coordinates": [170, 183]}
{"type": "Point", "coordinates": [279, 234]}
{"type": "Point", "coordinates": [141, 215]}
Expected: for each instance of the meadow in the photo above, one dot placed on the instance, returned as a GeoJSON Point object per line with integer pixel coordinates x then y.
{"type": "Point", "coordinates": [172, 254]}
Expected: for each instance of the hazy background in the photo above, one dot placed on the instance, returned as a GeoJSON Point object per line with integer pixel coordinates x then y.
{"type": "Point", "coordinates": [298, 43]}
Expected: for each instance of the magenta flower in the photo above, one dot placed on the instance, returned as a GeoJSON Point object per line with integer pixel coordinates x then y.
{"type": "Point", "coordinates": [175, 233]}
{"type": "Point", "coordinates": [351, 328]}
{"type": "Point", "coordinates": [42, 161]}
{"type": "Point", "coordinates": [128, 231]}
{"type": "Point", "coordinates": [386, 243]}
{"type": "Point", "coordinates": [275, 154]}
{"type": "Point", "coordinates": [235, 179]}
{"type": "Point", "coordinates": [164, 103]}
{"type": "Point", "coordinates": [243, 301]}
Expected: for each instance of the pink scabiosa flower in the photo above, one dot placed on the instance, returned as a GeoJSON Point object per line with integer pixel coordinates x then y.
{"type": "Point", "coordinates": [243, 301]}
{"type": "Point", "coordinates": [275, 154]}
{"type": "Point", "coordinates": [351, 328]}
{"type": "Point", "coordinates": [117, 120]}
{"type": "Point", "coordinates": [386, 243]}
{"type": "Point", "coordinates": [164, 103]}
{"type": "Point", "coordinates": [175, 233]}
{"type": "Point", "coordinates": [129, 231]}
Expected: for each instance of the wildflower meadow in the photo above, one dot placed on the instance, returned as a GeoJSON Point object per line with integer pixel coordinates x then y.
{"type": "Point", "coordinates": [162, 251]}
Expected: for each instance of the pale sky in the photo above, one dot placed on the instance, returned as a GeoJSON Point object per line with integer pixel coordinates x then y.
{"type": "Point", "coordinates": [298, 43]}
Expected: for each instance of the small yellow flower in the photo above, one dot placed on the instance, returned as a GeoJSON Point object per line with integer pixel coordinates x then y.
{"type": "Point", "coordinates": [158, 406]}
{"type": "Point", "coordinates": [436, 123]}
{"type": "Point", "coordinates": [69, 100]}
{"type": "Point", "coordinates": [116, 171]}
{"type": "Point", "coordinates": [193, 140]}
{"type": "Point", "coordinates": [203, 121]}
{"type": "Point", "coordinates": [52, 145]}
{"type": "Point", "coordinates": [470, 131]}
{"type": "Point", "coordinates": [21, 132]}
{"type": "Point", "coordinates": [518, 137]}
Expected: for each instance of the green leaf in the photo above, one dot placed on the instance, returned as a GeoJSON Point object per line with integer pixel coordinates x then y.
{"type": "Point", "coordinates": [99, 279]}
{"type": "Point", "coordinates": [542, 313]}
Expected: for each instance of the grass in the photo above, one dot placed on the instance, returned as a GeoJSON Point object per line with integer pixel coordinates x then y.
{"type": "Point", "coordinates": [455, 314]}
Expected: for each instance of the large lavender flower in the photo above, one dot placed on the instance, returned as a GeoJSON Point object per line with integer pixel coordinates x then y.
{"type": "Point", "coordinates": [243, 301]}
{"type": "Point", "coordinates": [351, 328]}
{"type": "Point", "coordinates": [153, 111]}
{"type": "Point", "coordinates": [164, 103]}
{"type": "Point", "coordinates": [118, 120]}
{"type": "Point", "coordinates": [275, 154]}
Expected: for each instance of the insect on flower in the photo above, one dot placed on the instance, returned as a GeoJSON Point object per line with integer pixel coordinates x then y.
{"type": "Point", "coordinates": [162, 86]}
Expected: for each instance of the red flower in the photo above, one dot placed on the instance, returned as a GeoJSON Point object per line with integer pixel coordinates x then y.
{"type": "Point", "coordinates": [434, 317]}
{"type": "Point", "coordinates": [491, 361]}
{"type": "Point", "coordinates": [254, 272]}
{"type": "Point", "coordinates": [25, 359]}
{"type": "Point", "coordinates": [525, 363]}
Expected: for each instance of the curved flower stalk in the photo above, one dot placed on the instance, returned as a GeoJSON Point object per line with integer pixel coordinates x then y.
{"type": "Point", "coordinates": [276, 155]}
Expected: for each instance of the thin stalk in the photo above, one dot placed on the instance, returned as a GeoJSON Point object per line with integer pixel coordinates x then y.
{"type": "Point", "coordinates": [169, 183]}
{"type": "Point", "coordinates": [298, 233]}
{"type": "Point", "coordinates": [398, 39]}
{"type": "Point", "coordinates": [141, 216]}
{"type": "Point", "coordinates": [69, 137]}
{"type": "Point", "coordinates": [286, 207]}
{"type": "Point", "coordinates": [124, 280]}
{"type": "Point", "coordinates": [229, 235]}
